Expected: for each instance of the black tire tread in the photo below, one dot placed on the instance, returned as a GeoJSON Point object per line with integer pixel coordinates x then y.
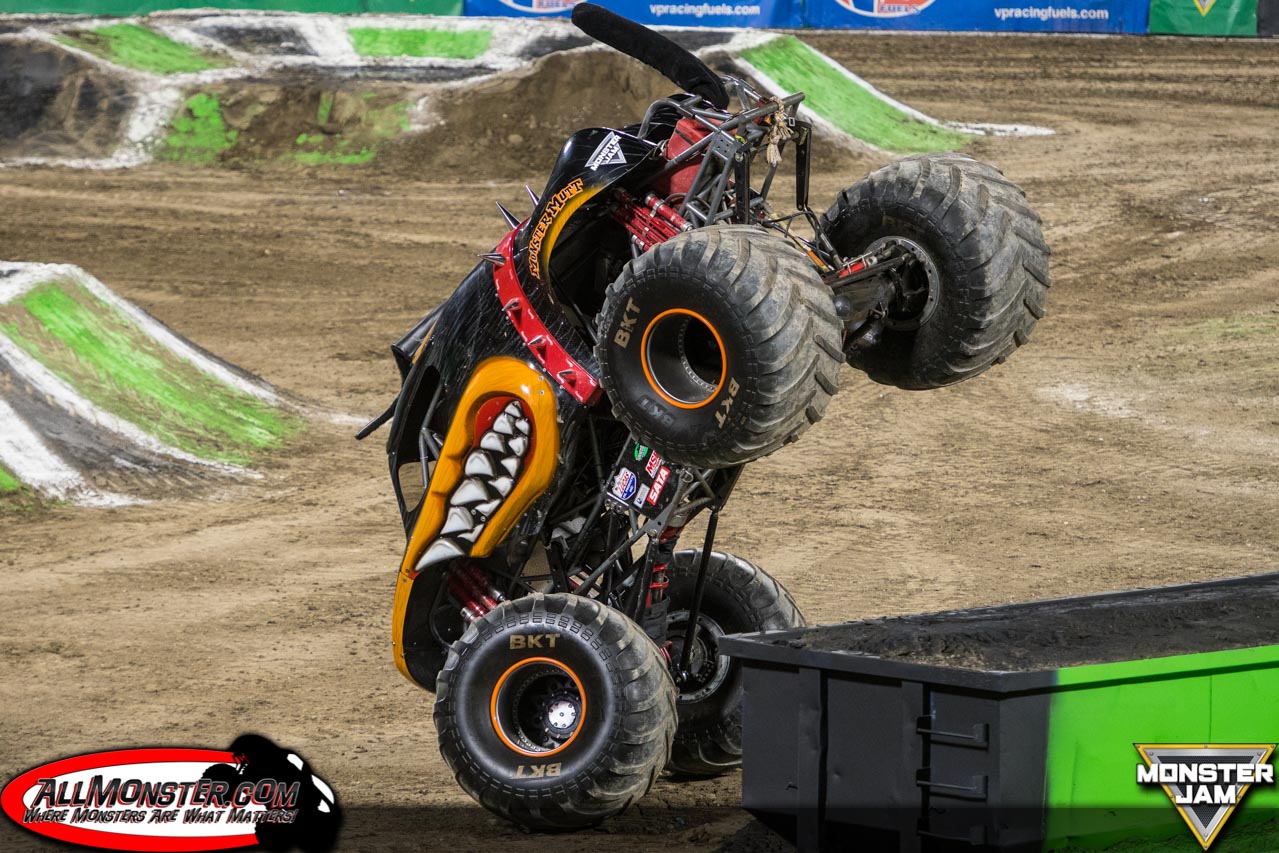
{"type": "Point", "coordinates": [990, 227]}
{"type": "Point", "coordinates": [714, 746]}
{"type": "Point", "coordinates": [774, 290]}
{"type": "Point", "coordinates": [624, 771]}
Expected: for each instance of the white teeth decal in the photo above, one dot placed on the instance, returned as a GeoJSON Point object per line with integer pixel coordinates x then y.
{"type": "Point", "coordinates": [490, 470]}
{"type": "Point", "coordinates": [471, 492]}
{"type": "Point", "coordinates": [504, 424]}
{"type": "Point", "coordinates": [440, 550]}
{"type": "Point", "coordinates": [479, 464]}
{"type": "Point", "coordinates": [459, 520]}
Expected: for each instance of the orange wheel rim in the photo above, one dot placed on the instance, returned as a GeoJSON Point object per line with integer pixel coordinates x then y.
{"type": "Point", "coordinates": [497, 689]}
{"type": "Point", "coordinates": [648, 371]}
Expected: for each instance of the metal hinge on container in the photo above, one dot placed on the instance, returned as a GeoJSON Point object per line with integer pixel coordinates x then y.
{"type": "Point", "coordinates": [979, 738]}
{"type": "Point", "coordinates": [975, 791]}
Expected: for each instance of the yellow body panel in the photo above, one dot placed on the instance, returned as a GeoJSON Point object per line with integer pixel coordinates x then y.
{"type": "Point", "coordinates": [500, 376]}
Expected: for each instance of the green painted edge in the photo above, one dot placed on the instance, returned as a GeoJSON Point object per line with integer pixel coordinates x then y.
{"type": "Point", "coordinates": [1166, 666]}
{"type": "Point", "coordinates": [1097, 714]}
{"type": "Point", "coordinates": [107, 358]}
{"type": "Point", "coordinates": [8, 482]}
{"type": "Point", "coordinates": [445, 44]}
{"type": "Point", "coordinates": [139, 47]}
{"type": "Point", "coordinates": [799, 68]}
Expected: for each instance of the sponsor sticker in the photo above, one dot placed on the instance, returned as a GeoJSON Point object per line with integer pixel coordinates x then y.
{"type": "Point", "coordinates": [178, 799]}
{"type": "Point", "coordinates": [659, 483]}
{"type": "Point", "coordinates": [624, 484]}
{"type": "Point", "coordinates": [640, 494]}
{"type": "Point", "coordinates": [1205, 781]}
{"type": "Point", "coordinates": [607, 153]}
{"type": "Point", "coordinates": [640, 452]}
{"type": "Point", "coordinates": [654, 462]}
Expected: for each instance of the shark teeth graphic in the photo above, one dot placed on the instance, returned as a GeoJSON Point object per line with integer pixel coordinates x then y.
{"type": "Point", "coordinates": [490, 472]}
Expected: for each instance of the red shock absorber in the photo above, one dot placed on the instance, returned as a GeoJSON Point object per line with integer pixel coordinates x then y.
{"type": "Point", "coordinates": [661, 580]}
{"type": "Point", "coordinates": [471, 587]}
{"type": "Point", "coordinates": [649, 223]}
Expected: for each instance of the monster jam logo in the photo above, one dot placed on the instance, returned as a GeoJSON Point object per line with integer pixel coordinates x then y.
{"type": "Point", "coordinates": [1206, 782]}
{"type": "Point", "coordinates": [887, 8]}
{"type": "Point", "coordinates": [553, 208]}
{"type": "Point", "coordinates": [608, 153]}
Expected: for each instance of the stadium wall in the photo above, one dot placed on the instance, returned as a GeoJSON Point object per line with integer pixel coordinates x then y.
{"type": "Point", "coordinates": [1176, 17]}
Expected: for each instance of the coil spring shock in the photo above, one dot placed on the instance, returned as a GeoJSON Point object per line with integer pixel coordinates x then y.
{"type": "Point", "coordinates": [471, 587]}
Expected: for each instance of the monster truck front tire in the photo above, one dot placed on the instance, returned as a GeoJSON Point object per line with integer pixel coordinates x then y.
{"type": "Point", "coordinates": [739, 597]}
{"type": "Point", "coordinates": [988, 256]}
{"type": "Point", "coordinates": [555, 711]}
{"type": "Point", "coordinates": [719, 346]}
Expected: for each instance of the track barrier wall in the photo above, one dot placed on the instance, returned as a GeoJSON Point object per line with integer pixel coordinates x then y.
{"type": "Point", "coordinates": [1204, 17]}
{"type": "Point", "coordinates": [1173, 17]}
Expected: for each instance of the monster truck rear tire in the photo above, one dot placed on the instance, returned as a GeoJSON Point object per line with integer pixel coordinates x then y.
{"type": "Point", "coordinates": [989, 254]}
{"type": "Point", "coordinates": [719, 346]}
{"type": "Point", "coordinates": [555, 711]}
{"type": "Point", "coordinates": [739, 597]}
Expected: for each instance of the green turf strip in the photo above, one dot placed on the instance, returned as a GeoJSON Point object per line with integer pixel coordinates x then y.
{"type": "Point", "coordinates": [198, 133]}
{"type": "Point", "coordinates": [8, 483]}
{"type": "Point", "coordinates": [137, 47]}
{"type": "Point", "coordinates": [466, 44]}
{"type": "Point", "coordinates": [112, 362]}
{"type": "Point", "coordinates": [797, 68]}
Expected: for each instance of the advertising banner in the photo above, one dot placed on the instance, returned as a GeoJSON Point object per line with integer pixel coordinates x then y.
{"type": "Point", "coordinates": [670, 13]}
{"type": "Point", "coordinates": [1068, 16]}
{"type": "Point", "coordinates": [1204, 17]}
{"type": "Point", "coordinates": [144, 7]}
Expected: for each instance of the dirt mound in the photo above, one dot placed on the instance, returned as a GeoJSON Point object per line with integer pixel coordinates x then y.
{"type": "Point", "coordinates": [1070, 632]}
{"type": "Point", "coordinates": [515, 124]}
{"type": "Point", "coordinates": [306, 121]}
{"type": "Point", "coordinates": [56, 104]}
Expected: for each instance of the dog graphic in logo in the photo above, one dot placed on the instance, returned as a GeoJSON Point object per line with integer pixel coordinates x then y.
{"type": "Point", "coordinates": [314, 829]}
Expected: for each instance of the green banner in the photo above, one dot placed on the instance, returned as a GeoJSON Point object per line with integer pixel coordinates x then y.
{"type": "Point", "coordinates": [142, 7]}
{"type": "Point", "coordinates": [1203, 17]}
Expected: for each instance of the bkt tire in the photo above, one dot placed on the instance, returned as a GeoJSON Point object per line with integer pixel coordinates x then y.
{"type": "Point", "coordinates": [719, 346]}
{"type": "Point", "coordinates": [988, 256]}
{"type": "Point", "coordinates": [555, 711]}
{"type": "Point", "coordinates": [739, 598]}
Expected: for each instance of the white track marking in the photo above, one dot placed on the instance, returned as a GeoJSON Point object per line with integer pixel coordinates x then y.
{"type": "Point", "coordinates": [24, 276]}
{"type": "Point", "coordinates": [59, 392]}
{"type": "Point", "coordinates": [27, 458]}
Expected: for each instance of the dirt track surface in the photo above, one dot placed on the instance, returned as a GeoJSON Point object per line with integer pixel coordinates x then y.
{"type": "Point", "coordinates": [1135, 442]}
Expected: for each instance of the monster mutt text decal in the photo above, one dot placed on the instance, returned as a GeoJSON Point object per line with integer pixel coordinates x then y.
{"type": "Point", "coordinates": [553, 208]}
{"type": "Point", "coordinates": [178, 799]}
